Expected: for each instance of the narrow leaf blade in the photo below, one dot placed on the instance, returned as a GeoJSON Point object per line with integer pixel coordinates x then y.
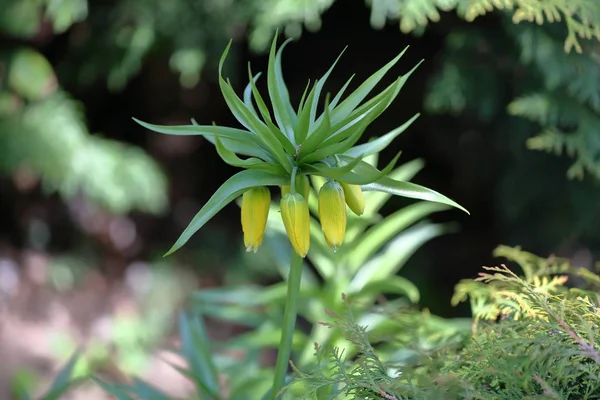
{"type": "Point", "coordinates": [354, 99]}
{"type": "Point", "coordinates": [380, 143]}
{"type": "Point", "coordinates": [319, 87]}
{"type": "Point", "coordinates": [280, 99]}
{"type": "Point", "coordinates": [232, 188]}
{"type": "Point", "coordinates": [248, 93]}
{"type": "Point", "coordinates": [197, 351]}
{"type": "Point", "coordinates": [237, 140]}
{"type": "Point", "coordinates": [247, 118]}
{"type": "Point", "coordinates": [410, 190]}
{"type": "Point", "coordinates": [381, 233]}
{"type": "Point", "coordinates": [64, 380]}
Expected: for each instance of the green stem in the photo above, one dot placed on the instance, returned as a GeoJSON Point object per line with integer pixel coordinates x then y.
{"type": "Point", "coordinates": [293, 180]}
{"type": "Point", "coordinates": [289, 324]}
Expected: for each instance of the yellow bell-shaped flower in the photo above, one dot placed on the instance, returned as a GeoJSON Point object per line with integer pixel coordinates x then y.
{"type": "Point", "coordinates": [296, 219]}
{"type": "Point", "coordinates": [255, 210]}
{"type": "Point", "coordinates": [302, 185]}
{"type": "Point", "coordinates": [332, 213]}
{"type": "Point", "coordinates": [354, 198]}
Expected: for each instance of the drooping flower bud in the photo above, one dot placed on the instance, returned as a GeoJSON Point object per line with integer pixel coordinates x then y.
{"type": "Point", "coordinates": [332, 213]}
{"type": "Point", "coordinates": [354, 198]}
{"type": "Point", "coordinates": [255, 210]}
{"type": "Point", "coordinates": [296, 219]}
{"type": "Point", "coordinates": [302, 186]}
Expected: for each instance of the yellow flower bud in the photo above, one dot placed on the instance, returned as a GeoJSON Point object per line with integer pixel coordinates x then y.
{"type": "Point", "coordinates": [354, 198]}
{"type": "Point", "coordinates": [255, 210]}
{"type": "Point", "coordinates": [332, 213]}
{"type": "Point", "coordinates": [296, 219]}
{"type": "Point", "coordinates": [302, 186]}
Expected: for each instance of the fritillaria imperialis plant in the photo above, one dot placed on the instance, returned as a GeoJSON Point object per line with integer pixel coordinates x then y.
{"type": "Point", "coordinates": [283, 147]}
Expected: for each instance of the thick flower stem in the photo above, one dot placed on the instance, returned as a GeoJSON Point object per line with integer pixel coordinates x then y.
{"type": "Point", "coordinates": [289, 324]}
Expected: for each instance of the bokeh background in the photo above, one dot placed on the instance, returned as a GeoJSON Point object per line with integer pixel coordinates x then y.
{"type": "Point", "coordinates": [89, 200]}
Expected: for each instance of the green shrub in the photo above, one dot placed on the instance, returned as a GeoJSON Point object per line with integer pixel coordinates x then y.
{"type": "Point", "coordinates": [533, 336]}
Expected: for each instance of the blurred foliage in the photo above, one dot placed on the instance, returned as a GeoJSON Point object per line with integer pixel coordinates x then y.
{"type": "Point", "coordinates": [114, 42]}
{"type": "Point", "coordinates": [540, 342]}
{"type": "Point", "coordinates": [24, 382]}
{"type": "Point", "coordinates": [558, 91]}
{"type": "Point", "coordinates": [554, 89]}
{"type": "Point", "coordinates": [126, 339]}
{"type": "Point", "coordinates": [48, 139]}
{"type": "Point", "coordinates": [533, 337]}
{"type": "Point", "coordinates": [581, 17]}
{"type": "Point", "coordinates": [44, 135]}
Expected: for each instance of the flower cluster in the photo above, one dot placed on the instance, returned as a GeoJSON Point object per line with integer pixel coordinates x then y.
{"type": "Point", "coordinates": [285, 145]}
{"type": "Point", "coordinates": [333, 198]}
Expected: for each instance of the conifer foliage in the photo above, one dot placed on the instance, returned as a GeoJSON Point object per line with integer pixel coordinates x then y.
{"type": "Point", "coordinates": [558, 88]}
{"type": "Point", "coordinates": [533, 336]}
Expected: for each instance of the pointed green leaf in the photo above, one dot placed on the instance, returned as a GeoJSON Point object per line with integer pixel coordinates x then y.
{"type": "Point", "coordinates": [395, 87]}
{"type": "Point", "coordinates": [314, 140]}
{"type": "Point", "coordinates": [410, 190]}
{"type": "Point", "coordinates": [318, 127]}
{"type": "Point", "coordinates": [339, 94]}
{"type": "Point", "coordinates": [256, 383]}
{"type": "Point", "coordinates": [196, 348]}
{"type": "Point", "coordinates": [323, 169]}
{"type": "Point", "coordinates": [396, 253]}
{"type": "Point", "coordinates": [335, 100]}
{"type": "Point", "coordinates": [144, 390]}
{"type": "Point", "coordinates": [354, 99]}
{"type": "Point", "coordinates": [375, 238]}
{"type": "Point", "coordinates": [248, 92]}
{"type": "Point", "coordinates": [372, 159]}
{"type": "Point", "coordinates": [303, 121]}
{"type": "Point", "coordinates": [379, 144]}
{"type": "Point", "coordinates": [64, 380]}
{"type": "Point", "coordinates": [390, 285]}
{"type": "Point", "coordinates": [336, 148]}
{"type": "Point", "coordinates": [232, 188]}
{"type": "Point", "coordinates": [280, 98]}
{"type": "Point", "coordinates": [348, 131]}
{"type": "Point", "coordinates": [262, 106]}
{"type": "Point", "coordinates": [247, 295]}
{"type": "Point", "coordinates": [360, 121]}
{"type": "Point", "coordinates": [248, 119]}
{"type": "Point", "coordinates": [319, 87]}
{"type": "Point", "coordinates": [267, 336]}
{"type": "Point", "coordinates": [251, 163]}
{"type": "Point", "coordinates": [301, 105]}
{"type": "Point", "coordinates": [264, 110]}
{"type": "Point", "coordinates": [371, 109]}
{"type": "Point", "coordinates": [116, 390]}
{"type": "Point", "coordinates": [240, 148]}
{"type": "Point", "coordinates": [375, 200]}
{"type": "Point", "coordinates": [364, 173]}
{"type": "Point", "coordinates": [191, 376]}
{"type": "Point", "coordinates": [339, 147]}
{"type": "Point", "coordinates": [237, 140]}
